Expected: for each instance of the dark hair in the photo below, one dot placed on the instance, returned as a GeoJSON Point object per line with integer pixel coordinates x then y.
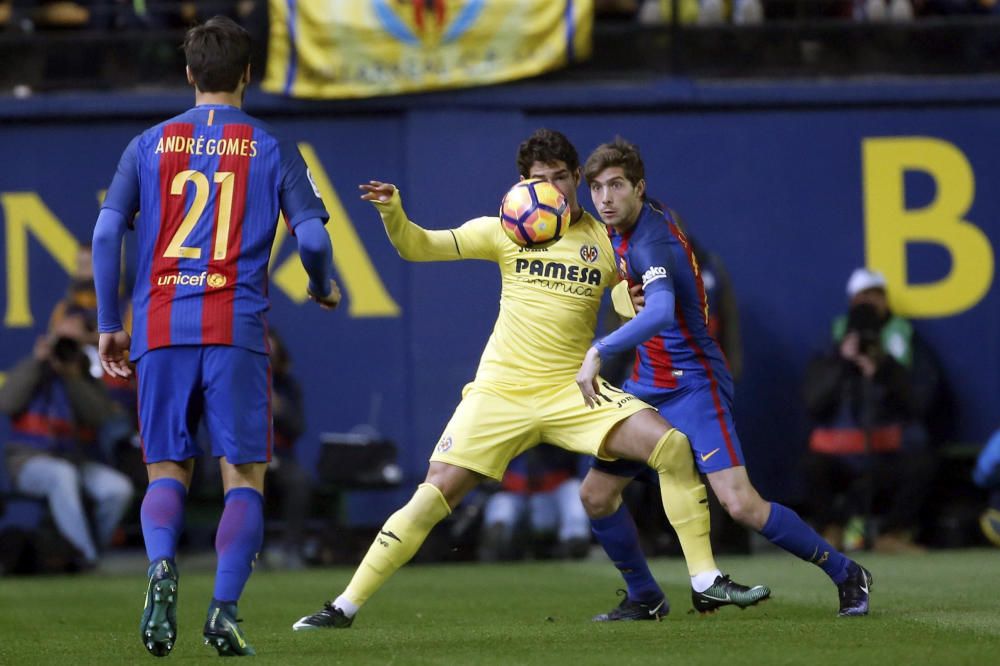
{"type": "Point", "coordinates": [618, 153]}
{"type": "Point", "coordinates": [546, 146]}
{"type": "Point", "coordinates": [218, 52]}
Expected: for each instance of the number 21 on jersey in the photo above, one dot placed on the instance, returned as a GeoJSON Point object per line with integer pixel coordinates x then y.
{"type": "Point", "coordinates": [225, 181]}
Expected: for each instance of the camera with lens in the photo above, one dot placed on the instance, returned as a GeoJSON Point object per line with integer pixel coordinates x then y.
{"type": "Point", "coordinates": [66, 349]}
{"type": "Point", "coordinates": [864, 320]}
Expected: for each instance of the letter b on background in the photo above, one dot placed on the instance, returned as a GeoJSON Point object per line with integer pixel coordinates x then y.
{"type": "Point", "coordinates": [889, 225]}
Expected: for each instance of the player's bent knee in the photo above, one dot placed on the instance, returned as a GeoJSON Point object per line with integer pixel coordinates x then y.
{"type": "Point", "coordinates": [597, 502]}
{"type": "Point", "coordinates": [63, 474]}
{"type": "Point", "coordinates": [428, 502]}
{"type": "Point", "coordinates": [246, 475]}
{"type": "Point", "coordinates": [672, 453]}
{"type": "Point", "coordinates": [169, 469]}
{"type": "Point", "coordinates": [452, 482]}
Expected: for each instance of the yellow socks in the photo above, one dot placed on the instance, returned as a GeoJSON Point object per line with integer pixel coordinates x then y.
{"type": "Point", "coordinates": [397, 541]}
{"type": "Point", "coordinates": [684, 499]}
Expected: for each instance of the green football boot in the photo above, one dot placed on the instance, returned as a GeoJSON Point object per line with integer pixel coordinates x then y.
{"type": "Point", "coordinates": [222, 633]}
{"type": "Point", "coordinates": [725, 592]}
{"type": "Point", "coordinates": [158, 627]}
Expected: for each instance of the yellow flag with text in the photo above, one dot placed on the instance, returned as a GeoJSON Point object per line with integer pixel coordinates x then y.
{"type": "Point", "coordinates": [362, 48]}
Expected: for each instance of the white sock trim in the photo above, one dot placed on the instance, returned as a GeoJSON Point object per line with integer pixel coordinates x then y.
{"type": "Point", "coordinates": [704, 580]}
{"type": "Point", "coordinates": [349, 607]}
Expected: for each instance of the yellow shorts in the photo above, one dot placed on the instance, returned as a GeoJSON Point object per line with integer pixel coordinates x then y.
{"type": "Point", "coordinates": [493, 424]}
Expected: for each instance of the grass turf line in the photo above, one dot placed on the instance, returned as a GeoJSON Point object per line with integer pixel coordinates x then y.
{"type": "Point", "coordinates": [942, 608]}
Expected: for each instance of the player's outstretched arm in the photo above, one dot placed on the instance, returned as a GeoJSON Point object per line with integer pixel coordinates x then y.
{"type": "Point", "coordinates": [413, 242]}
{"type": "Point", "coordinates": [113, 343]}
{"type": "Point", "coordinates": [317, 256]}
{"type": "Point", "coordinates": [655, 316]}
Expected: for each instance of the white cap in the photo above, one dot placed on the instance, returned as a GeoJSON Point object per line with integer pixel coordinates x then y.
{"type": "Point", "coordinates": [862, 279]}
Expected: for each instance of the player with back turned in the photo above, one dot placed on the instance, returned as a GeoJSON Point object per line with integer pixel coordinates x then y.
{"type": "Point", "coordinates": [524, 391]}
{"type": "Point", "coordinates": [681, 370]}
{"type": "Point", "coordinates": [210, 183]}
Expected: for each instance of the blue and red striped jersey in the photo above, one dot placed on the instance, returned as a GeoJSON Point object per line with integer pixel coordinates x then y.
{"type": "Point", "coordinates": [210, 184]}
{"type": "Point", "coordinates": [656, 254]}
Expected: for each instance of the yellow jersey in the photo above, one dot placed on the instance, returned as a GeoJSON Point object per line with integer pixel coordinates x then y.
{"type": "Point", "coordinates": [549, 298]}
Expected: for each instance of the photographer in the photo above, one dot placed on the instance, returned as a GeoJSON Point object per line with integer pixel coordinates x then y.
{"type": "Point", "coordinates": [290, 486]}
{"type": "Point", "coordinates": [867, 446]}
{"type": "Point", "coordinates": [118, 440]}
{"type": "Point", "coordinates": [987, 476]}
{"type": "Point", "coordinates": [56, 408]}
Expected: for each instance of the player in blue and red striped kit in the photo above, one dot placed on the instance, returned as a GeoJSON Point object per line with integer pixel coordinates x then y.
{"type": "Point", "coordinates": [210, 183]}
{"type": "Point", "coordinates": [679, 369]}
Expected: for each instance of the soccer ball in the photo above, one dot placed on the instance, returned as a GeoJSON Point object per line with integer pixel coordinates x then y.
{"type": "Point", "coordinates": [534, 213]}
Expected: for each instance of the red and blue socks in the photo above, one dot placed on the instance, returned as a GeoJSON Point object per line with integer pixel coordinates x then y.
{"type": "Point", "coordinates": [237, 542]}
{"type": "Point", "coordinates": [162, 518]}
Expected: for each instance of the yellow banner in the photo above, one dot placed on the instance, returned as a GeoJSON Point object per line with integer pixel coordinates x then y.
{"type": "Point", "coordinates": [362, 48]}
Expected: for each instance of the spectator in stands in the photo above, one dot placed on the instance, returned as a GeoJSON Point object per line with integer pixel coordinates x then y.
{"type": "Point", "coordinates": [615, 9]}
{"type": "Point", "coordinates": [955, 7]}
{"type": "Point", "coordinates": [869, 441]}
{"type": "Point", "coordinates": [81, 297]}
{"type": "Point", "coordinates": [723, 317]}
{"type": "Point", "coordinates": [56, 408]}
{"type": "Point", "coordinates": [537, 508]}
{"type": "Point", "coordinates": [987, 475]}
{"type": "Point", "coordinates": [883, 10]}
{"type": "Point", "coordinates": [293, 484]}
{"type": "Point", "coordinates": [28, 15]}
{"type": "Point", "coordinates": [121, 429]}
{"type": "Point", "coordinates": [704, 12]}
{"type": "Point", "coordinates": [184, 13]}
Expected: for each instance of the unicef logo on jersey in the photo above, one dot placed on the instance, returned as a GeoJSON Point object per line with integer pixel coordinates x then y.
{"type": "Point", "coordinates": [589, 253]}
{"type": "Point", "coordinates": [214, 280]}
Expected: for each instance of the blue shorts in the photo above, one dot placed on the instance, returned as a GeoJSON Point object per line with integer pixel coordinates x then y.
{"type": "Point", "coordinates": [228, 387]}
{"type": "Point", "coordinates": [704, 413]}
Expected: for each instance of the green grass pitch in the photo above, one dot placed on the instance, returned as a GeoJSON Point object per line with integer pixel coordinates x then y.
{"type": "Point", "coordinates": [941, 608]}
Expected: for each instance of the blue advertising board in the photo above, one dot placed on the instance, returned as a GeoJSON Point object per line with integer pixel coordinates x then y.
{"type": "Point", "coordinates": [792, 197]}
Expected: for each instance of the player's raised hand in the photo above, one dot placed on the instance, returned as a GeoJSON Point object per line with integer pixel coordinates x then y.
{"type": "Point", "coordinates": [376, 191]}
{"type": "Point", "coordinates": [112, 349]}
{"type": "Point", "coordinates": [586, 378]}
{"type": "Point", "coordinates": [331, 300]}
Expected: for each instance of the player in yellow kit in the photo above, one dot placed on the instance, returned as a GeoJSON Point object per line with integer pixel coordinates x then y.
{"type": "Point", "coordinates": [525, 391]}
